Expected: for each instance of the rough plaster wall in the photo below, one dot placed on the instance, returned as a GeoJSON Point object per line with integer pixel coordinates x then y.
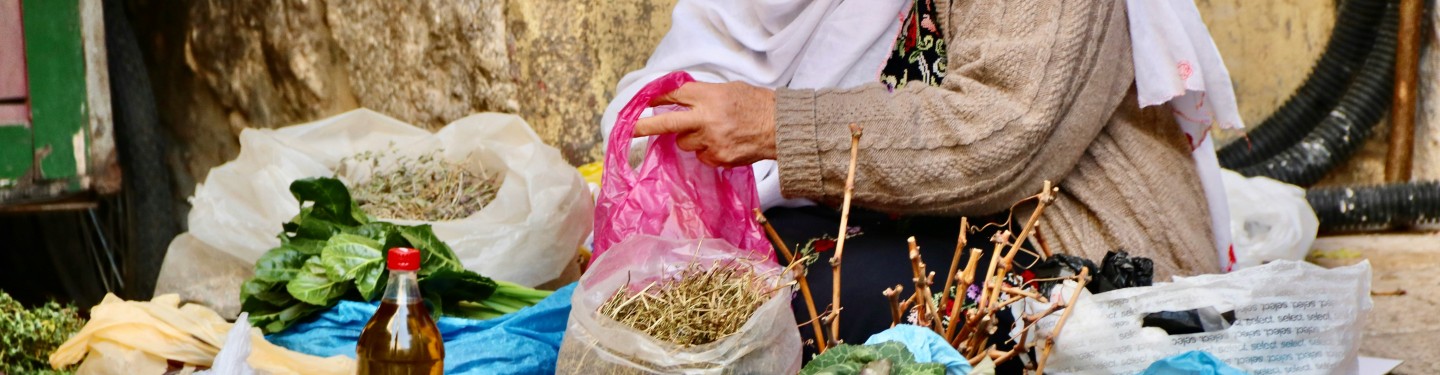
{"type": "Point", "coordinates": [1270, 46]}
{"type": "Point", "coordinates": [223, 66]}
{"type": "Point", "coordinates": [1427, 132]}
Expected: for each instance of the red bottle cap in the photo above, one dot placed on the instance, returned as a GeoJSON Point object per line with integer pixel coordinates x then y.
{"type": "Point", "coordinates": [403, 259]}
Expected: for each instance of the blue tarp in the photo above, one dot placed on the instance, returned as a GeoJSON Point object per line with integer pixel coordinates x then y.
{"type": "Point", "coordinates": [525, 342]}
{"type": "Point", "coordinates": [926, 345]}
{"type": "Point", "coordinates": [1191, 363]}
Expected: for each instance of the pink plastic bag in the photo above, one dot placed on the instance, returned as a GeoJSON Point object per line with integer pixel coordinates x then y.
{"type": "Point", "coordinates": [673, 195]}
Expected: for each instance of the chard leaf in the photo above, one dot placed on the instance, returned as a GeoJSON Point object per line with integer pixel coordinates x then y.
{"type": "Point", "coordinates": [434, 254]}
{"type": "Point", "coordinates": [314, 287]}
{"type": "Point", "coordinates": [312, 227]}
{"type": "Point", "coordinates": [459, 285]}
{"type": "Point", "coordinates": [279, 264]}
{"type": "Point", "coordinates": [370, 281]}
{"type": "Point", "coordinates": [272, 318]}
{"type": "Point", "coordinates": [385, 233]}
{"type": "Point", "coordinates": [307, 246]}
{"type": "Point", "coordinates": [331, 198]}
{"type": "Point", "coordinates": [347, 255]}
{"type": "Point", "coordinates": [272, 293]}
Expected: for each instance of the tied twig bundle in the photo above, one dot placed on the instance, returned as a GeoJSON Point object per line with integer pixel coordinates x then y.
{"type": "Point", "coordinates": [700, 305]}
{"type": "Point", "coordinates": [426, 187]}
{"type": "Point", "coordinates": [968, 327]}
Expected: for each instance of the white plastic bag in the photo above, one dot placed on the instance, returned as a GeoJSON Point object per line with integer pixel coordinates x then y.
{"type": "Point", "coordinates": [203, 274]}
{"type": "Point", "coordinates": [1291, 318]}
{"type": "Point", "coordinates": [527, 235]}
{"type": "Point", "coordinates": [235, 351]}
{"type": "Point", "coordinates": [768, 343]}
{"type": "Point", "coordinates": [1270, 220]}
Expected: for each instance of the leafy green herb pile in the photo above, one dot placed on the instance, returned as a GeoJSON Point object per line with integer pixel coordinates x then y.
{"type": "Point", "coordinates": [890, 357]}
{"type": "Point", "coordinates": [28, 336]}
{"type": "Point", "coordinates": [333, 251]}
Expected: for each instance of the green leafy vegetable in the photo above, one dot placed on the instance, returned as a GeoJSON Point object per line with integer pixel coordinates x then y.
{"type": "Point", "coordinates": [332, 251]}
{"type": "Point", "coordinates": [850, 359]}
{"type": "Point", "coordinates": [280, 264]}
{"type": "Point", "coordinates": [313, 286]}
{"type": "Point", "coordinates": [28, 336]}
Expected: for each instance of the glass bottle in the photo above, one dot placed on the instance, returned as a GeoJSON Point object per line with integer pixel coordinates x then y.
{"type": "Point", "coordinates": [401, 338]}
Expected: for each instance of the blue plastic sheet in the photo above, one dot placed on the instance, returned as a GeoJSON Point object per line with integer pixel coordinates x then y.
{"type": "Point", "coordinates": [1191, 363]}
{"type": "Point", "coordinates": [926, 345]}
{"type": "Point", "coordinates": [525, 342]}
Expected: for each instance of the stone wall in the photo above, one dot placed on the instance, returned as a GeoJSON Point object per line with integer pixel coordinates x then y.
{"type": "Point", "coordinates": [222, 66]}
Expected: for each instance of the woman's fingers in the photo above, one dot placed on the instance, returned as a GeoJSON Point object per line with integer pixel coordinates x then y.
{"type": "Point", "coordinates": [672, 122]}
{"type": "Point", "coordinates": [690, 141]}
{"type": "Point", "coordinates": [687, 95]}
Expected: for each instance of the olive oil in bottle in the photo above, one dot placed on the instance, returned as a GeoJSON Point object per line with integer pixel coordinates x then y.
{"type": "Point", "coordinates": [401, 338]}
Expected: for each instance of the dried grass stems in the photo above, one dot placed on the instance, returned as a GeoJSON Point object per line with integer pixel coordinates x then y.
{"type": "Point", "coordinates": [699, 305]}
{"type": "Point", "coordinates": [425, 187]}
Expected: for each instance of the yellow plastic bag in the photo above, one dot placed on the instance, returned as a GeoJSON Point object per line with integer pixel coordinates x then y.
{"type": "Point", "coordinates": [134, 337]}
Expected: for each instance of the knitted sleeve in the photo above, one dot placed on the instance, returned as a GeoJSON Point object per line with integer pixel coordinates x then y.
{"type": "Point", "coordinates": [1029, 86]}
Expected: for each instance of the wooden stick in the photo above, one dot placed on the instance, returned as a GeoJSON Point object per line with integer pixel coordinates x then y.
{"type": "Point", "coordinates": [804, 284]}
{"type": "Point", "coordinates": [926, 316]}
{"type": "Point", "coordinates": [954, 263]}
{"type": "Point", "coordinates": [991, 281]}
{"type": "Point", "coordinates": [855, 132]}
{"type": "Point", "coordinates": [1046, 197]}
{"type": "Point", "coordinates": [1055, 333]}
{"type": "Point", "coordinates": [999, 240]}
{"type": "Point", "coordinates": [972, 320]}
{"type": "Point", "coordinates": [966, 277]}
{"type": "Point", "coordinates": [1398, 158]}
{"type": "Point", "coordinates": [1022, 292]}
{"type": "Point", "coordinates": [975, 360]}
{"type": "Point", "coordinates": [1008, 302]}
{"type": "Point", "coordinates": [893, 294]}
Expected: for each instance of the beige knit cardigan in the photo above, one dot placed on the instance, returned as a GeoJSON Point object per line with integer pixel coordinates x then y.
{"type": "Point", "coordinates": [1035, 90]}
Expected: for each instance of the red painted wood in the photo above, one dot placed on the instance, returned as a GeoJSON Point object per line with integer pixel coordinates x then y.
{"type": "Point", "coordinates": [12, 52]}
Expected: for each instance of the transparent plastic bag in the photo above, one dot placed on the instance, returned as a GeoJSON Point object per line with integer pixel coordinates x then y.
{"type": "Point", "coordinates": [673, 194]}
{"type": "Point", "coordinates": [1289, 318]}
{"type": "Point", "coordinates": [1270, 220]}
{"type": "Point", "coordinates": [768, 343]}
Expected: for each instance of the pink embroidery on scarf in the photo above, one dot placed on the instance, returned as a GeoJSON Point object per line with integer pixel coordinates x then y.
{"type": "Point", "coordinates": [1184, 69]}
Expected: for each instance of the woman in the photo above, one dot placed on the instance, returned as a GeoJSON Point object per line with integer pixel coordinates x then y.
{"type": "Point", "coordinates": [1018, 93]}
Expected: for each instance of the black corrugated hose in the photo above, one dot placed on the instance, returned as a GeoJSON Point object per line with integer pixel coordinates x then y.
{"type": "Point", "coordinates": [1350, 42]}
{"type": "Point", "coordinates": [1347, 126]}
{"type": "Point", "coordinates": [1376, 206]}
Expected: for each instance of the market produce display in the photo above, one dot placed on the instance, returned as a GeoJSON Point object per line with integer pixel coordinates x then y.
{"type": "Point", "coordinates": [333, 251]}
{"type": "Point", "coordinates": [426, 187]}
{"type": "Point", "coordinates": [27, 336]}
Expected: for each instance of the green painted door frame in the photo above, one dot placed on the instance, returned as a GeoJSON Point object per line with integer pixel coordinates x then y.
{"type": "Point", "coordinates": [66, 149]}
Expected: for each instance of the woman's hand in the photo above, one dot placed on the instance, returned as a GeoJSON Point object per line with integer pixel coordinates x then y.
{"type": "Point", "coordinates": [728, 124]}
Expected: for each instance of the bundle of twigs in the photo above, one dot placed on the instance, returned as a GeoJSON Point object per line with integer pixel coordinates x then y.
{"type": "Point", "coordinates": [699, 305]}
{"type": "Point", "coordinates": [426, 187]}
{"type": "Point", "coordinates": [966, 327]}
